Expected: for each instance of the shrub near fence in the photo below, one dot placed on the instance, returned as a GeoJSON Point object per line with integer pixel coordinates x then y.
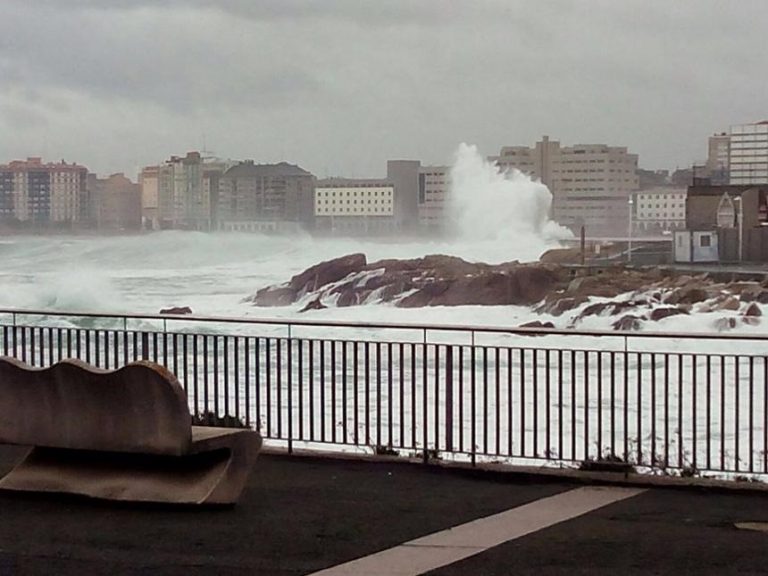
{"type": "Point", "coordinates": [687, 404]}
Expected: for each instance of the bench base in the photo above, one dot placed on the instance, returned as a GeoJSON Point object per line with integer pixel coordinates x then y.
{"type": "Point", "coordinates": [214, 473]}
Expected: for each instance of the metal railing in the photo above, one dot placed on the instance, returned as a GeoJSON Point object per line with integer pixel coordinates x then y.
{"type": "Point", "coordinates": [689, 404]}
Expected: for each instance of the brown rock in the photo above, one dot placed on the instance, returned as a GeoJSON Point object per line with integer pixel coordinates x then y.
{"type": "Point", "coordinates": [177, 310]}
{"type": "Point", "coordinates": [628, 323]}
{"type": "Point", "coordinates": [753, 310]}
{"type": "Point", "coordinates": [327, 272]}
{"type": "Point", "coordinates": [537, 324]}
{"type": "Point", "coordinates": [275, 296]}
{"type": "Point", "coordinates": [726, 303]}
{"type": "Point", "coordinates": [661, 313]}
{"type": "Point", "coordinates": [314, 305]}
{"type": "Point", "coordinates": [687, 295]}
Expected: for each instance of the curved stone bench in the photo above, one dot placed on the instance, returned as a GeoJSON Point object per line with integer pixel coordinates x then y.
{"type": "Point", "coordinates": [121, 435]}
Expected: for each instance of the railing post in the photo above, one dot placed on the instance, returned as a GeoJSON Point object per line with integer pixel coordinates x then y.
{"type": "Point", "coordinates": [449, 398]}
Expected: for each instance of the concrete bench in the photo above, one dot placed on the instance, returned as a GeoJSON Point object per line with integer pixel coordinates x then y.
{"type": "Point", "coordinates": [119, 435]}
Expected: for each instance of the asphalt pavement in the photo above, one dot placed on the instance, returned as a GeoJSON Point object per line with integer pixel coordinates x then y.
{"type": "Point", "coordinates": [300, 515]}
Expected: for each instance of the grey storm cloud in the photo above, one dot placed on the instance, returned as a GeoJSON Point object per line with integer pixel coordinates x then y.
{"type": "Point", "coordinates": [341, 85]}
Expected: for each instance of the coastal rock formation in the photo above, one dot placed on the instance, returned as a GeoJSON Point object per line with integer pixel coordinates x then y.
{"type": "Point", "coordinates": [430, 281]}
{"type": "Point", "coordinates": [566, 296]}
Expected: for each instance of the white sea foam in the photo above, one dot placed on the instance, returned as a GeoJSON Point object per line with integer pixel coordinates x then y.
{"type": "Point", "coordinates": [498, 217]}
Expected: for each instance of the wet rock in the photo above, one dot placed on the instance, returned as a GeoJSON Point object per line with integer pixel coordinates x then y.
{"type": "Point", "coordinates": [661, 313]}
{"type": "Point", "coordinates": [628, 323]}
{"type": "Point", "coordinates": [326, 273]}
{"type": "Point", "coordinates": [725, 324]}
{"type": "Point", "coordinates": [726, 302]}
{"type": "Point", "coordinates": [537, 324]}
{"type": "Point", "coordinates": [687, 295]}
{"type": "Point", "coordinates": [753, 310]}
{"type": "Point", "coordinates": [275, 296]}
{"type": "Point", "coordinates": [314, 305]}
{"type": "Point", "coordinates": [176, 310]}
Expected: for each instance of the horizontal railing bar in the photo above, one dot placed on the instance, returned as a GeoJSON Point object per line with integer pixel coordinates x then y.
{"type": "Point", "coordinates": [468, 329]}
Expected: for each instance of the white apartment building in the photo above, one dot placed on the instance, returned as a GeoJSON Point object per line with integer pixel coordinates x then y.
{"type": "Point", "coordinates": [354, 205]}
{"type": "Point", "coordinates": [591, 184]}
{"type": "Point", "coordinates": [658, 210]}
{"type": "Point", "coordinates": [748, 154]}
{"type": "Point", "coordinates": [434, 190]}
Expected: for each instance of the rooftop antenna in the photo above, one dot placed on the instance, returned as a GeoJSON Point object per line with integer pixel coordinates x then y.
{"type": "Point", "coordinates": [205, 153]}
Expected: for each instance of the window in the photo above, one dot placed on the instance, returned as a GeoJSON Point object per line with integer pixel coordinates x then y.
{"type": "Point", "coordinates": [705, 241]}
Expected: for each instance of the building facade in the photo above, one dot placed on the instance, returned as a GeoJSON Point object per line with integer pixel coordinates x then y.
{"type": "Point", "coordinates": [737, 213]}
{"type": "Point", "coordinates": [404, 176]}
{"type": "Point", "coordinates": [181, 193]}
{"type": "Point", "coordinates": [434, 194]}
{"type": "Point", "coordinates": [354, 206]}
{"type": "Point", "coordinates": [591, 184]}
{"type": "Point", "coordinates": [116, 203]}
{"type": "Point", "coordinates": [44, 194]}
{"type": "Point", "coordinates": [748, 154]}
{"type": "Point", "coordinates": [658, 211]}
{"type": "Point", "coordinates": [717, 167]}
{"type": "Point", "coordinates": [265, 197]}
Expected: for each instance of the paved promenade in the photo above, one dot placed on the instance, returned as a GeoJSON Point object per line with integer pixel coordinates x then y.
{"type": "Point", "coordinates": [310, 515]}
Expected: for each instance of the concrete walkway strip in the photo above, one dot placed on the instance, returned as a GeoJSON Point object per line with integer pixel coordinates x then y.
{"type": "Point", "coordinates": [449, 546]}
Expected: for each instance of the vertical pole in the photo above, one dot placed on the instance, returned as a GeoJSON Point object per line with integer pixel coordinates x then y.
{"type": "Point", "coordinates": [741, 228]}
{"type": "Point", "coordinates": [629, 231]}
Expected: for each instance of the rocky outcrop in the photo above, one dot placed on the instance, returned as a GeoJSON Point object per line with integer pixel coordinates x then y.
{"type": "Point", "coordinates": [310, 280]}
{"type": "Point", "coordinates": [430, 281]}
{"type": "Point", "coordinates": [628, 323]}
{"type": "Point", "coordinates": [566, 296]}
{"type": "Point", "coordinates": [176, 310]}
{"type": "Point", "coordinates": [314, 305]}
{"type": "Point", "coordinates": [666, 312]}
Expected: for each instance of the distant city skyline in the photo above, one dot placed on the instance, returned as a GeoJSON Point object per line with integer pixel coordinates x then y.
{"type": "Point", "coordinates": [340, 86]}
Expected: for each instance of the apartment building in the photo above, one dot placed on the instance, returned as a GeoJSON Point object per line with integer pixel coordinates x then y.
{"type": "Point", "coordinates": [434, 194]}
{"type": "Point", "coordinates": [591, 184]}
{"type": "Point", "coordinates": [658, 210]}
{"type": "Point", "coordinates": [265, 197]}
{"type": "Point", "coordinates": [748, 154]}
{"type": "Point", "coordinates": [116, 202]}
{"type": "Point", "coordinates": [182, 193]}
{"type": "Point", "coordinates": [44, 194]}
{"type": "Point", "coordinates": [354, 206]}
{"type": "Point", "coordinates": [717, 167]}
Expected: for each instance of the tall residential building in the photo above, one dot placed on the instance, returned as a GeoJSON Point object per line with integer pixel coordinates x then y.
{"type": "Point", "coordinates": [43, 193]}
{"type": "Point", "coordinates": [354, 206]}
{"type": "Point", "coordinates": [434, 191]}
{"type": "Point", "coordinates": [591, 184]}
{"type": "Point", "coordinates": [748, 157]}
{"type": "Point", "coordinates": [404, 176]}
{"type": "Point", "coordinates": [269, 197]}
{"type": "Point", "coordinates": [718, 158]}
{"type": "Point", "coordinates": [182, 192]}
{"type": "Point", "coordinates": [116, 203]}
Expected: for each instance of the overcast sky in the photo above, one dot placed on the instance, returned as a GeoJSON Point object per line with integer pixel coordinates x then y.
{"type": "Point", "coordinates": [340, 86]}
